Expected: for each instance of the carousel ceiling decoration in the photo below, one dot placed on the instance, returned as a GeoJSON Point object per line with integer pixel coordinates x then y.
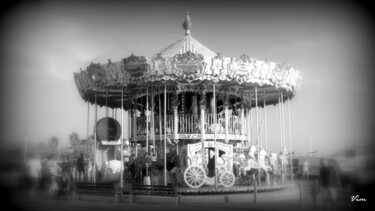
{"type": "Point", "coordinates": [185, 63]}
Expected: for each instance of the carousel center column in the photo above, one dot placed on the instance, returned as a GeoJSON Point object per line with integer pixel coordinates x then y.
{"type": "Point", "coordinates": [134, 128]}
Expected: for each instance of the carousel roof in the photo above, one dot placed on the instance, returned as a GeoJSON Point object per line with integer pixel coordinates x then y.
{"type": "Point", "coordinates": [186, 44]}
{"type": "Point", "coordinates": [187, 65]}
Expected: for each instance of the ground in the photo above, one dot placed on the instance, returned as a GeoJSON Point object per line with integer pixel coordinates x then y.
{"type": "Point", "coordinates": [286, 199]}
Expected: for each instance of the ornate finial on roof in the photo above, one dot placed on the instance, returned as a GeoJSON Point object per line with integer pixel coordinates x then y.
{"type": "Point", "coordinates": [187, 23]}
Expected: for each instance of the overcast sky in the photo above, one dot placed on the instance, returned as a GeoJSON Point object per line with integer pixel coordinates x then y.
{"type": "Point", "coordinates": [44, 42]}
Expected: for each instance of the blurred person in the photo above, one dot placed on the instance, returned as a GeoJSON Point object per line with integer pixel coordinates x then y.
{"type": "Point", "coordinates": [140, 166]}
{"type": "Point", "coordinates": [44, 174]}
{"type": "Point", "coordinates": [81, 167]}
{"type": "Point", "coordinates": [65, 178]}
{"type": "Point", "coordinates": [34, 168]}
{"type": "Point", "coordinates": [173, 165]}
{"type": "Point", "coordinates": [305, 170]}
{"type": "Point", "coordinates": [314, 193]}
{"type": "Point", "coordinates": [55, 172]}
{"type": "Point", "coordinates": [328, 182]}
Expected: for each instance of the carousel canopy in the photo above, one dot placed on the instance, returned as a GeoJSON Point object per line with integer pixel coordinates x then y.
{"type": "Point", "coordinates": [186, 65]}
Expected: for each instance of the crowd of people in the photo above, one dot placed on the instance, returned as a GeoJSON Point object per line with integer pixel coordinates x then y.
{"type": "Point", "coordinates": [50, 174]}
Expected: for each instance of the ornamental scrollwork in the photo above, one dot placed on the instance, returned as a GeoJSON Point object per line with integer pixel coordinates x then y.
{"type": "Point", "coordinates": [217, 65]}
{"type": "Point", "coordinates": [159, 66]}
{"type": "Point", "coordinates": [136, 65]}
{"type": "Point", "coordinates": [133, 59]}
{"type": "Point", "coordinates": [240, 68]}
{"type": "Point", "coordinates": [188, 65]}
{"type": "Point", "coordinates": [97, 73]}
{"type": "Point", "coordinates": [278, 73]}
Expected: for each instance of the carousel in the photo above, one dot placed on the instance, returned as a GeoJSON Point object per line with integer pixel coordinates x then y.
{"type": "Point", "coordinates": [190, 115]}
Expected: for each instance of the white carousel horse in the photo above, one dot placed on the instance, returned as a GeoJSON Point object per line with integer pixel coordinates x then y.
{"type": "Point", "coordinates": [251, 162]}
{"type": "Point", "coordinates": [282, 160]}
{"type": "Point", "coordinates": [262, 161]}
{"type": "Point", "coordinates": [274, 161]}
{"type": "Point", "coordinates": [219, 128]}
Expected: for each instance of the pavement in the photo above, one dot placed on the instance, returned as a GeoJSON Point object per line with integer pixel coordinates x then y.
{"type": "Point", "coordinates": [286, 199]}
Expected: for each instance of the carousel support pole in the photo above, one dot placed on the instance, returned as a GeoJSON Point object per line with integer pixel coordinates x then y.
{"type": "Point", "coordinates": [281, 140]}
{"type": "Point", "coordinates": [95, 138]}
{"type": "Point", "coordinates": [87, 129]}
{"type": "Point", "coordinates": [265, 134]}
{"type": "Point", "coordinates": [290, 142]}
{"type": "Point", "coordinates": [202, 104]}
{"type": "Point", "coordinates": [122, 139]}
{"type": "Point", "coordinates": [175, 104]}
{"type": "Point", "coordinates": [146, 178]}
{"type": "Point", "coordinates": [215, 123]}
{"type": "Point", "coordinates": [257, 128]}
{"type": "Point", "coordinates": [250, 122]}
{"type": "Point", "coordinates": [255, 190]}
{"type": "Point", "coordinates": [153, 120]}
{"type": "Point", "coordinates": [265, 122]}
{"type": "Point", "coordinates": [242, 118]}
{"type": "Point", "coordinates": [147, 118]}
{"type": "Point", "coordinates": [175, 117]}
{"type": "Point", "coordinates": [175, 125]}
{"type": "Point", "coordinates": [160, 125]}
{"type": "Point", "coordinates": [283, 128]}
{"type": "Point", "coordinates": [106, 131]}
{"type": "Point", "coordinates": [165, 135]}
{"type": "Point", "coordinates": [88, 119]}
{"type": "Point", "coordinates": [226, 112]}
{"type": "Point", "coordinates": [129, 130]}
{"type": "Point", "coordinates": [135, 128]}
{"type": "Point", "coordinates": [260, 128]}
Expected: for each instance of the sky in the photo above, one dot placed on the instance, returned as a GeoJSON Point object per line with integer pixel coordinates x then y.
{"type": "Point", "coordinates": [44, 42]}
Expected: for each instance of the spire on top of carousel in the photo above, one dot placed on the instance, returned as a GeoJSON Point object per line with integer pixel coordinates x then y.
{"type": "Point", "coordinates": [187, 23]}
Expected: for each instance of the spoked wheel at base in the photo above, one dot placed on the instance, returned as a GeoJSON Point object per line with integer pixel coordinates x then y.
{"type": "Point", "coordinates": [194, 176]}
{"type": "Point", "coordinates": [227, 179]}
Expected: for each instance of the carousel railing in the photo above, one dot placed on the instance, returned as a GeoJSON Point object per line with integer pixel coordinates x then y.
{"type": "Point", "coordinates": [210, 124]}
{"type": "Point", "coordinates": [141, 125]}
{"type": "Point", "coordinates": [188, 123]}
{"type": "Point", "coordinates": [234, 126]}
{"type": "Point", "coordinates": [160, 119]}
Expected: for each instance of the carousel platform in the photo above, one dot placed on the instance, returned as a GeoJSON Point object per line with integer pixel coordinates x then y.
{"type": "Point", "coordinates": [236, 189]}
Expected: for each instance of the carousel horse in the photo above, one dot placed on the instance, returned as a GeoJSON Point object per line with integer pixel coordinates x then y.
{"type": "Point", "coordinates": [249, 164]}
{"type": "Point", "coordinates": [282, 160]}
{"type": "Point", "coordinates": [263, 162]}
{"type": "Point", "coordinates": [219, 128]}
{"type": "Point", "coordinates": [277, 161]}
{"type": "Point", "coordinates": [273, 161]}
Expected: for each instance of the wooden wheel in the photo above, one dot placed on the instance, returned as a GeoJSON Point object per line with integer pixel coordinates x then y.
{"type": "Point", "coordinates": [227, 179]}
{"type": "Point", "coordinates": [194, 176]}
